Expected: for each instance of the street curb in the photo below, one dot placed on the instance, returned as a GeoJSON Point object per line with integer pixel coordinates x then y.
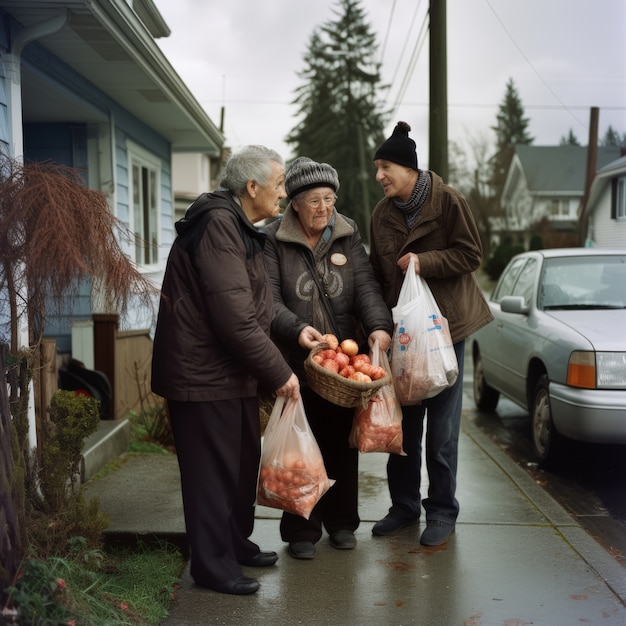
{"type": "Point", "coordinates": [590, 551]}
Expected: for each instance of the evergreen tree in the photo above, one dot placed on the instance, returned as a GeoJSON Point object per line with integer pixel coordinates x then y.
{"type": "Point", "coordinates": [613, 138]}
{"type": "Point", "coordinates": [511, 130]}
{"type": "Point", "coordinates": [570, 140]}
{"type": "Point", "coordinates": [341, 115]}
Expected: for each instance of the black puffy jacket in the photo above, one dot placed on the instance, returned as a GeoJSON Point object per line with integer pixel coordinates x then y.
{"type": "Point", "coordinates": [212, 335]}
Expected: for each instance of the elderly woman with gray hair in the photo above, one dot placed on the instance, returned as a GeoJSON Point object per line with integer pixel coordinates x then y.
{"type": "Point", "coordinates": [211, 350]}
{"type": "Point", "coordinates": [322, 282]}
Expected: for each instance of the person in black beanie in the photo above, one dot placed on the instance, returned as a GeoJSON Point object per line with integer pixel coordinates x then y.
{"type": "Point", "coordinates": [424, 218]}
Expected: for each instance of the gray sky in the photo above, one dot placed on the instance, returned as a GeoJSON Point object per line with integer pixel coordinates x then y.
{"type": "Point", "coordinates": [564, 56]}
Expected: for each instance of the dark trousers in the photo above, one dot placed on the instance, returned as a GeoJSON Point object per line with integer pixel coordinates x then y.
{"type": "Point", "coordinates": [443, 420]}
{"type": "Point", "coordinates": [338, 508]}
{"type": "Point", "coordinates": [218, 446]}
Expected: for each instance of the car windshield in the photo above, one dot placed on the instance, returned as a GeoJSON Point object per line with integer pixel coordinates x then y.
{"type": "Point", "coordinates": [586, 282]}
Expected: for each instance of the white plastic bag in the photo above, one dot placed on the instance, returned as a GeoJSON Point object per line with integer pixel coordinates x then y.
{"type": "Point", "coordinates": [423, 361]}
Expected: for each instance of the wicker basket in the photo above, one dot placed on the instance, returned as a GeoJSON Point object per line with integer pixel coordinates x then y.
{"type": "Point", "coordinates": [337, 389]}
{"type": "Point", "coordinates": [266, 404]}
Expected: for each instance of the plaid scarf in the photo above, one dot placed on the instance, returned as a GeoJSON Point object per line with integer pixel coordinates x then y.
{"type": "Point", "coordinates": [412, 207]}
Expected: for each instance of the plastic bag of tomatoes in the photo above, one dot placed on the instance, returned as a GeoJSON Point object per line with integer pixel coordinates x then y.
{"type": "Point", "coordinates": [292, 475]}
{"type": "Point", "coordinates": [378, 427]}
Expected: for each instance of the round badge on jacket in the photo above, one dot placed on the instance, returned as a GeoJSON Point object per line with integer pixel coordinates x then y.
{"type": "Point", "coordinates": [338, 259]}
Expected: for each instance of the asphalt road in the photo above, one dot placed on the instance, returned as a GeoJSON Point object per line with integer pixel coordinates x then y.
{"type": "Point", "coordinates": [590, 483]}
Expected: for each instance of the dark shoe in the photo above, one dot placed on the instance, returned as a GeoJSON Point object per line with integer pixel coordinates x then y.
{"type": "Point", "coordinates": [240, 586]}
{"type": "Point", "coordinates": [343, 540]}
{"type": "Point", "coordinates": [436, 533]}
{"type": "Point", "coordinates": [301, 549]}
{"type": "Point", "coordinates": [262, 559]}
{"type": "Point", "coordinates": [392, 523]}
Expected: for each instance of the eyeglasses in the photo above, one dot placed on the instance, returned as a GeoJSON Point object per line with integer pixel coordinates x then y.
{"type": "Point", "coordinates": [316, 203]}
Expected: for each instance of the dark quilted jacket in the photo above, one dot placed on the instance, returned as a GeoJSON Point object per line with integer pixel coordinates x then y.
{"type": "Point", "coordinates": [212, 336]}
{"type": "Point", "coordinates": [353, 292]}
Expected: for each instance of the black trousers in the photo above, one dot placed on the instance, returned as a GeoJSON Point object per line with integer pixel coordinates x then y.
{"type": "Point", "coordinates": [218, 446]}
{"type": "Point", "coordinates": [338, 508]}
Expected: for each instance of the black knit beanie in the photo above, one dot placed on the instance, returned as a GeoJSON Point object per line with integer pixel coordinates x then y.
{"type": "Point", "coordinates": [399, 148]}
{"type": "Point", "coordinates": [304, 173]}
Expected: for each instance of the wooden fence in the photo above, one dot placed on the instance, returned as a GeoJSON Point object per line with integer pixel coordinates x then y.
{"type": "Point", "coordinates": [133, 355]}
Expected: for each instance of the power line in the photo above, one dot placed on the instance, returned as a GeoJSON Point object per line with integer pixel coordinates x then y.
{"type": "Point", "coordinates": [532, 67]}
{"type": "Point", "coordinates": [404, 47]}
{"type": "Point", "coordinates": [452, 105]}
{"type": "Point", "coordinates": [391, 12]}
{"type": "Point", "coordinates": [421, 38]}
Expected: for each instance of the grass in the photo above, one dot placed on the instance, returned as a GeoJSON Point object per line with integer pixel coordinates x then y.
{"type": "Point", "coordinates": [78, 585]}
{"type": "Point", "coordinates": [134, 586]}
{"type": "Point", "coordinates": [94, 588]}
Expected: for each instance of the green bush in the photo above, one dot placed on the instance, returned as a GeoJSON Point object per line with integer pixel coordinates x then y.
{"type": "Point", "coordinates": [536, 242]}
{"type": "Point", "coordinates": [500, 257]}
{"type": "Point", "coordinates": [73, 418]}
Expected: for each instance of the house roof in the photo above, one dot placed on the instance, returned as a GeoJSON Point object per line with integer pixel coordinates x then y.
{"type": "Point", "coordinates": [614, 167]}
{"type": "Point", "coordinates": [559, 168]}
{"type": "Point", "coordinates": [112, 44]}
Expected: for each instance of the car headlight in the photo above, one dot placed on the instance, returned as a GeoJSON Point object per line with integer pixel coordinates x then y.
{"type": "Point", "coordinates": [597, 370]}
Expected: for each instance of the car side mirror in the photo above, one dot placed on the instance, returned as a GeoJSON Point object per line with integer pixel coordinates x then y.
{"type": "Point", "coordinates": [514, 304]}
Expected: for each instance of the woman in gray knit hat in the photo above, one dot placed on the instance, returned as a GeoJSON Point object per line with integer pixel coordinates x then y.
{"type": "Point", "coordinates": [322, 282]}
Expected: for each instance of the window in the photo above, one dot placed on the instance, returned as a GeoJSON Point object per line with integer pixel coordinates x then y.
{"type": "Point", "coordinates": [144, 215]}
{"type": "Point", "coordinates": [559, 209]}
{"type": "Point", "coordinates": [618, 204]}
{"type": "Point", "coordinates": [507, 280]}
{"type": "Point", "coordinates": [526, 281]}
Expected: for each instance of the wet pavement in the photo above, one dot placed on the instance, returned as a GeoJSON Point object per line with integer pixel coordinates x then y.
{"type": "Point", "coordinates": [517, 556]}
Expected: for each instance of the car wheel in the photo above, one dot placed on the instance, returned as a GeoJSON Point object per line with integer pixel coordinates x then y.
{"type": "Point", "coordinates": [485, 397]}
{"type": "Point", "coordinates": [546, 440]}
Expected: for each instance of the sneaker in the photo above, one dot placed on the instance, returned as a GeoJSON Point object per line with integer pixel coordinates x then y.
{"type": "Point", "coordinates": [436, 533]}
{"type": "Point", "coordinates": [301, 549]}
{"type": "Point", "coordinates": [343, 540]}
{"type": "Point", "coordinates": [392, 523]}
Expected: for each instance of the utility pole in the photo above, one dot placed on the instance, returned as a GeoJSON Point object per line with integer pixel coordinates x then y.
{"type": "Point", "coordinates": [438, 109]}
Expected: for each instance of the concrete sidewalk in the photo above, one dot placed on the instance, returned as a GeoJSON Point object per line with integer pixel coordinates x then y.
{"type": "Point", "coordinates": [516, 558]}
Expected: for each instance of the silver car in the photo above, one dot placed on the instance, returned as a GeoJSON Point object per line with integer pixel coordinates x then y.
{"type": "Point", "coordinates": [557, 346]}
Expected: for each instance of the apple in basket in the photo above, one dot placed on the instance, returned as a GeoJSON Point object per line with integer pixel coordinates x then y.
{"type": "Point", "coordinates": [346, 361]}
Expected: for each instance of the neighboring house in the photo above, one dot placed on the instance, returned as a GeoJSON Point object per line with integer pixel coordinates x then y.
{"type": "Point", "coordinates": [84, 83]}
{"type": "Point", "coordinates": [604, 214]}
{"type": "Point", "coordinates": [193, 174]}
{"type": "Point", "coordinates": [545, 185]}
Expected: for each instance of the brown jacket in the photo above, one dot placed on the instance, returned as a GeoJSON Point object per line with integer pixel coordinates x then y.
{"type": "Point", "coordinates": [212, 336]}
{"type": "Point", "coordinates": [447, 243]}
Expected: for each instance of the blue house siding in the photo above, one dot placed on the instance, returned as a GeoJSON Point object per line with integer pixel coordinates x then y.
{"type": "Point", "coordinates": [59, 326]}
{"type": "Point", "coordinates": [67, 144]}
{"type": "Point", "coordinates": [62, 143]}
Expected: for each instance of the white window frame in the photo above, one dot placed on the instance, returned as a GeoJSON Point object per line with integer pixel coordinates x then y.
{"type": "Point", "coordinates": [560, 209]}
{"type": "Point", "coordinates": [144, 200]}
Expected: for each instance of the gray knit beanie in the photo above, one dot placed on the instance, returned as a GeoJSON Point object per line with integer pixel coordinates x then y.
{"type": "Point", "coordinates": [304, 173]}
{"type": "Point", "coordinates": [399, 148]}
